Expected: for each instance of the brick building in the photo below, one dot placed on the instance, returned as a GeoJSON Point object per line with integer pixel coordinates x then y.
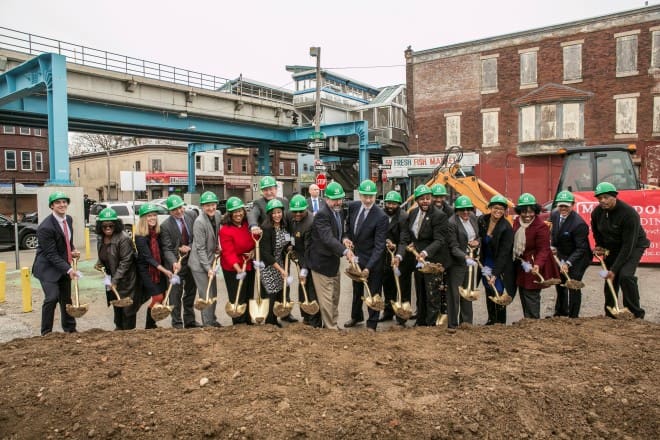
{"type": "Point", "coordinates": [517, 98]}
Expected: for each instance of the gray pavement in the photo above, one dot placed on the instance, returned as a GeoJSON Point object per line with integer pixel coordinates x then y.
{"type": "Point", "coordinates": [16, 324]}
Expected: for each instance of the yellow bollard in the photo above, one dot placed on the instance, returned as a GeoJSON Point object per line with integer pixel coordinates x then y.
{"type": "Point", "coordinates": [88, 250]}
{"type": "Point", "coordinates": [3, 280]}
{"type": "Point", "coordinates": [26, 289]}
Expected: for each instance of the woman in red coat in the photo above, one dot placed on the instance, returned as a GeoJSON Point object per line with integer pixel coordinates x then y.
{"type": "Point", "coordinates": [237, 246]}
{"type": "Point", "coordinates": [532, 254]}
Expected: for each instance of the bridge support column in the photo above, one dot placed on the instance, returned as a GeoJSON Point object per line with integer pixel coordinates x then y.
{"type": "Point", "coordinates": [191, 170]}
{"type": "Point", "coordinates": [53, 68]}
{"type": "Point", "coordinates": [363, 153]}
{"type": "Point", "coordinates": [263, 160]}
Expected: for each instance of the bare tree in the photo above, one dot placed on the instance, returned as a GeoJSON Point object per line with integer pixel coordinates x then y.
{"type": "Point", "coordinates": [81, 143]}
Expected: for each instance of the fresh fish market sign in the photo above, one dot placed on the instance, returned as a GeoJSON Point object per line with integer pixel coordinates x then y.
{"type": "Point", "coordinates": [399, 165]}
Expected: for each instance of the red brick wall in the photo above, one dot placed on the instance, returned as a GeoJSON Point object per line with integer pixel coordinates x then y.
{"type": "Point", "coordinates": [20, 143]}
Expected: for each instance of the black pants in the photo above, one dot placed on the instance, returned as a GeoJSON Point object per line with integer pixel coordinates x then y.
{"type": "Point", "coordinates": [458, 309]}
{"type": "Point", "coordinates": [58, 292]}
{"type": "Point", "coordinates": [496, 312]}
{"type": "Point", "coordinates": [389, 288]}
{"type": "Point", "coordinates": [313, 320]}
{"type": "Point", "coordinates": [568, 301]}
{"type": "Point", "coordinates": [122, 320]}
{"type": "Point", "coordinates": [431, 297]}
{"type": "Point", "coordinates": [626, 279]}
{"type": "Point", "coordinates": [247, 291]}
{"type": "Point", "coordinates": [182, 298]}
{"type": "Point", "coordinates": [375, 282]}
{"type": "Point", "coordinates": [531, 302]}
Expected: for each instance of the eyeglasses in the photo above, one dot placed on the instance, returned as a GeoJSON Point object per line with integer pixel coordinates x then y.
{"type": "Point", "coordinates": [497, 208]}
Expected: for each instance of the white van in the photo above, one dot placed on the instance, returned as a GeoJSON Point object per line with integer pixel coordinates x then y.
{"type": "Point", "coordinates": [125, 212]}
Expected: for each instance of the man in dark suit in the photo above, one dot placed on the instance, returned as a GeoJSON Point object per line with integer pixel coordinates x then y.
{"type": "Point", "coordinates": [324, 256]}
{"type": "Point", "coordinates": [397, 223]}
{"type": "Point", "coordinates": [366, 228]}
{"type": "Point", "coordinates": [257, 214]}
{"type": "Point", "coordinates": [314, 201]}
{"type": "Point", "coordinates": [176, 237]}
{"type": "Point", "coordinates": [463, 234]}
{"type": "Point", "coordinates": [427, 229]}
{"type": "Point", "coordinates": [570, 242]}
{"type": "Point", "coordinates": [52, 263]}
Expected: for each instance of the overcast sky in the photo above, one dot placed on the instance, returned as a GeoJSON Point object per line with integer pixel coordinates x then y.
{"type": "Point", "coordinates": [258, 38]}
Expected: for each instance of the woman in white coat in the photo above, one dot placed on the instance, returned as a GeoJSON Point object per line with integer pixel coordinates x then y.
{"type": "Point", "coordinates": [203, 252]}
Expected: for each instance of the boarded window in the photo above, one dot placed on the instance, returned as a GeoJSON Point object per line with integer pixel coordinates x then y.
{"type": "Point", "coordinates": [626, 116]}
{"type": "Point", "coordinates": [490, 128]}
{"type": "Point", "coordinates": [528, 116]}
{"type": "Point", "coordinates": [573, 62]}
{"type": "Point", "coordinates": [626, 54]}
{"type": "Point", "coordinates": [655, 54]}
{"type": "Point", "coordinates": [656, 114]}
{"type": "Point", "coordinates": [527, 68]}
{"type": "Point", "coordinates": [383, 118]}
{"type": "Point", "coordinates": [453, 130]}
{"type": "Point", "coordinates": [548, 122]}
{"type": "Point", "coordinates": [489, 74]}
{"type": "Point", "coordinates": [571, 121]}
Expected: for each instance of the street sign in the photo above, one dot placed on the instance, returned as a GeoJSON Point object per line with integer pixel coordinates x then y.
{"type": "Point", "coordinates": [319, 167]}
{"type": "Point", "coordinates": [385, 166]}
{"type": "Point", "coordinates": [321, 181]}
{"type": "Point", "coordinates": [317, 135]}
{"type": "Point", "coordinates": [316, 144]}
{"type": "Point", "coordinates": [318, 162]}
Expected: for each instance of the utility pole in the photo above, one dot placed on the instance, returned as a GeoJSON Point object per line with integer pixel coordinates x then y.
{"type": "Point", "coordinates": [107, 196]}
{"type": "Point", "coordinates": [316, 52]}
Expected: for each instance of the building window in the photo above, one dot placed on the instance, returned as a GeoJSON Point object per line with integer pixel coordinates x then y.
{"type": "Point", "coordinates": [489, 74]}
{"type": "Point", "coordinates": [453, 122]}
{"type": "Point", "coordinates": [138, 165]}
{"type": "Point", "coordinates": [198, 162]}
{"type": "Point", "coordinates": [25, 131]}
{"type": "Point", "coordinates": [293, 168]}
{"type": "Point", "coordinates": [156, 165]}
{"type": "Point", "coordinates": [528, 124]}
{"type": "Point", "coordinates": [281, 168]}
{"type": "Point", "coordinates": [571, 121]}
{"type": "Point", "coordinates": [546, 122]}
{"type": "Point", "coordinates": [216, 164]}
{"type": "Point", "coordinates": [26, 161]}
{"type": "Point", "coordinates": [39, 162]}
{"type": "Point", "coordinates": [305, 167]}
{"type": "Point", "coordinates": [656, 116]}
{"type": "Point", "coordinates": [655, 49]}
{"type": "Point", "coordinates": [8, 129]}
{"type": "Point", "coordinates": [243, 165]}
{"type": "Point", "coordinates": [36, 131]}
{"type": "Point", "coordinates": [229, 165]}
{"type": "Point", "coordinates": [10, 160]}
{"type": "Point", "coordinates": [626, 115]}
{"type": "Point", "coordinates": [572, 62]}
{"type": "Point", "coordinates": [626, 53]}
{"type": "Point", "coordinates": [490, 122]}
{"type": "Point", "coordinates": [528, 68]}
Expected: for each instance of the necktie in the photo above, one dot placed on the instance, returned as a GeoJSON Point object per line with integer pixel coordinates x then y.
{"type": "Point", "coordinates": [561, 221]}
{"type": "Point", "coordinates": [418, 223]}
{"type": "Point", "coordinates": [360, 220]}
{"type": "Point", "coordinates": [338, 220]}
{"type": "Point", "coordinates": [65, 228]}
{"type": "Point", "coordinates": [184, 233]}
{"type": "Point", "coordinates": [315, 205]}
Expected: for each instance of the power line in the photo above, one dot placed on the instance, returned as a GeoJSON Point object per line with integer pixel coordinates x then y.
{"type": "Point", "coordinates": [366, 67]}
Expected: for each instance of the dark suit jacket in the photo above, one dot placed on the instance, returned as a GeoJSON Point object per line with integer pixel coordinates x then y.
{"type": "Point", "coordinates": [459, 238]}
{"type": "Point", "coordinates": [257, 214]}
{"type": "Point", "coordinates": [432, 236]}
{"type": "Point", "coordinates": [301, 233]}
{"type": "Point", "coordinates": [170, 238]}
{"type": "Point", "coordinates": [50, 261]}
{"type": "Point", "coordinates": [310, 207]}
{"type": "Point", "coordinates": [323, 257]}
{"type": "Point", "coordinates": [572, 242]}
{"type": "Point", "coordinates": [369, 241]}
{"type": "Point", "coordinates": [144, 260]}
{"type": "Point", "coordinates": [501, 247]}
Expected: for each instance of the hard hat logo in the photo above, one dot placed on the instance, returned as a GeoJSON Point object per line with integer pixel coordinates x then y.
{"type": "Point", "coordinates": [605, 188]}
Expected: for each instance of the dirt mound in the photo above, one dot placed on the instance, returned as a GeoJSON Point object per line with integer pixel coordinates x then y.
{"type": "Point", "coordinates": [555, 378]}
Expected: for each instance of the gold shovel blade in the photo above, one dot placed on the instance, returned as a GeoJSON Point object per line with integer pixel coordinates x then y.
{"type": "Point", "coordinates": [311, 308]}
{"type": "Point", "coordinates": [375, 302]}
{"type": "Point", "coordinates": [160, 312]}
{"type": "Point", "coordinates": [469, 295]}
{"type": "Point", "coordinates": [122, 302]}
{"type": "Point", "coordinates": [622, 313]}
{"type": "Point", "coordinates": [432, 268]}
{"type": "Point", "coordinates": [201, 304]}
{"type": "Point", "coordinates": [282, 309]}
{"type": "Point", "coordinates": [574, 284]}
{"type": "Point", "coordinates": [235, 311]}
{"type": "Point", "coordinates": [442, 320]}
{"type": "Point", "coordinates": [402, 310]}
{"type": "Point", "coordinates": [259, 310]}
{"type": "Point", "coordinates": [76, 311]}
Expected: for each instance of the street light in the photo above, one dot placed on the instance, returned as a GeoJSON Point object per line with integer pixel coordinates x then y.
{"type": "Point", "coordinates": [316, 52]}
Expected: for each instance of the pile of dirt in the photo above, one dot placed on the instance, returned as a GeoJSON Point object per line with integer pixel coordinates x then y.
{"type": "Point", "coordinates": [555, 378]}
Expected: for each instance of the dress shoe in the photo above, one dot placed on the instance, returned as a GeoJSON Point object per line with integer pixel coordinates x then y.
{"type": "Point", "coordinates": [214, 324]}
{"type": "Point", "coordinates": [193, 324]}
{"type": "Point", "coordinates": [351, 323]}
{"type": "Point", "coordinates": [386, 317]}
{"type": "Point", "coordinates": [177, 325]}
{"type": "Point", "coordinates": [289, 318]}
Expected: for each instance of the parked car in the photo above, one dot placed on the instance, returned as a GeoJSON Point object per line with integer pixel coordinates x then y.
{"type": "Point", "coordinates": [30, 217]}
{"type": "Point", "coordinates": [125, 213]}
{"type": "Point", "coordinates": [27, 233]}
{"type": "Point", "coordinates": [163, 203]}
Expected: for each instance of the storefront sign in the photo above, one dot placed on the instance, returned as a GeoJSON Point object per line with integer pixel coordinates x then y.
{"type": "Point", "coordinates": [399, 165]}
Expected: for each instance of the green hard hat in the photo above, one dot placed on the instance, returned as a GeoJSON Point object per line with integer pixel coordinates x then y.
{"type": "Point", "coordinates": [605, 187]}
{"type": "Point", "coordinates": [297, 203]}
{"type": "Point", "coordinates": [526, 199]}
{"type": "Point", "coordinates": [334, 191]}
{"type": "Point", "coordinates": [422, 190]}
{"type": "Point", "coordinates": [498, 200]}
{"type": "Point", "coordinates": [174, 202]}
{"type": "Point", "coordinates": [438, 190]}
{"type": "Point", "coordinates": [147, 208]}
{"type": "Point", "coordinates": [463, 202]}
{"type": "Point", "coordinates": [208, 197]}
{"type": "Point", "coordinates": [267, 182]}
{"type": "Point", "coordinates": [234, 203]}
{"type": "Point", "coordinates": [57, 195]}
{"type": "Point", "coordinates": [367, 188]}
{"type": "Point", "coordinates": [107, 214]}
{"type": "Point", "coordinates": [272, 204]}
{"type": "Point", "coordinates": [565, 196]}
{"type": "Point", "coordinates": [394, 197]}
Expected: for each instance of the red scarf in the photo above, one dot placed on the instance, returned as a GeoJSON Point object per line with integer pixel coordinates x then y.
{"type": "Point", "coordinates": [155, 253]}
